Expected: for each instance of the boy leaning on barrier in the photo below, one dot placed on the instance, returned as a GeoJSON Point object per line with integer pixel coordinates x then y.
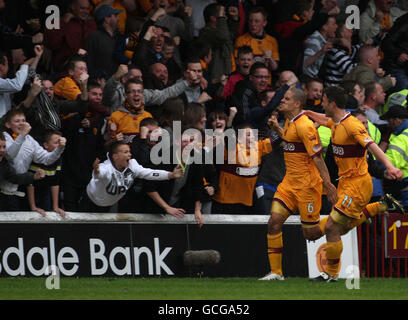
{"type": "Point", "coordinates": [112, 178]}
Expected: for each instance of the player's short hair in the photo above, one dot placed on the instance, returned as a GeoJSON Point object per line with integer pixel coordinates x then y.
{"type": "Point", "coordinates": [337, 95]}
{"type": "Point", "coordinates": [299, 95]}
{"type": "Point", "coordinates": [2, 137]}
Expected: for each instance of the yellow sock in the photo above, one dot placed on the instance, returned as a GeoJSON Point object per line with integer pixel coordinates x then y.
{"type": "Point", "coordinates": [369, 211]}
{"type": "Point", "coordinates": [322, 225]}
{"type": "Point", "coordinates": [275, 249]}
{"type": "Point", "coordinates": [333, 253]}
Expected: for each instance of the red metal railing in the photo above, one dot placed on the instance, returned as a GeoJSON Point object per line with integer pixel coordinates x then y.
{"type": "Point", "coordinates": [371, 251]}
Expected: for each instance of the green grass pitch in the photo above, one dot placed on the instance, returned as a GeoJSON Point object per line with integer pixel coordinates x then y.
{"type": "Point", "coordinates": [200, 289]}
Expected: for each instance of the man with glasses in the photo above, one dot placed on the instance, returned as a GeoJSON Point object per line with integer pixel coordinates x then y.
{"type": "Point", "coordinates": [125, 122]}
{"type": "Point", "coordinates": [246, 92]}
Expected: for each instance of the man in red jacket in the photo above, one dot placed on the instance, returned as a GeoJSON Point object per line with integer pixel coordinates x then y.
{"type": "Point", "coordinates": [74, 29]}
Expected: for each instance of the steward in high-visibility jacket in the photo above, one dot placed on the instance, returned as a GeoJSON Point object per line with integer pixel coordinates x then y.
{"type": "Point", "coordinates": [397, 151]}
{"type": "Point", "coordinates": [399, 98]}
{"type": "Point", "coordinates": [374, 132]}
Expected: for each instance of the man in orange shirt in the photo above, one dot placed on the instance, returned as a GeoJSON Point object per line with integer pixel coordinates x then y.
{"type": "Point", "coordinates": [301, 188]}
{"type": "Point", "coordinates": [125, 122]}
{"type": "Point", "coordinates": [264, 47]}
{"type": "Point", "coordinates": [350, 142]}
{"type": "Point", "coordinates": [68, 88]}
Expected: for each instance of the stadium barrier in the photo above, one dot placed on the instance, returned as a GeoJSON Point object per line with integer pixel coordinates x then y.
{"type": "Point", "coordinates": [142, 245]}
{"type": "Point", "coordinates": [146, 245]}
{"type": "Point", "coordinates": [383, 246]}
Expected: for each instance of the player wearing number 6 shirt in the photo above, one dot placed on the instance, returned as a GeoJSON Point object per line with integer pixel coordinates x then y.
{"type": "Point", "coordinates": [350, 142]}
{"type": "Point", "coordinates": [112, 178]}
{"type": "Point", "coordinates": [301, 188]}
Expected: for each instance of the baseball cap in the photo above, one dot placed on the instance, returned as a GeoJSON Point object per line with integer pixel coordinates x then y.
{"type": "Point", "coordinates": [105, 11]}
{"type": "Point", "coordinates": [395, 112]}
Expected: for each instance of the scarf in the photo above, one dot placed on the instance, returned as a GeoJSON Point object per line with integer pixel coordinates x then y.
{"type": "Point", "coordinates": [126, 107]}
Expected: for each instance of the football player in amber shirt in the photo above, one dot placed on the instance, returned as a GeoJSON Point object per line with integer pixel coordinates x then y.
{"type": "Point", "coordinates": [350, 142]}
{"type": "Point", "coordinates": [301, 188]}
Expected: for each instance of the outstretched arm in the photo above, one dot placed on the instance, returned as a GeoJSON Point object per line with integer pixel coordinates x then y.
{"type": "Point", "coordinates": [176, 212]}
{"type": "Point", "coordinates": [320, 118]}
{"type": "Point", "coordinates": [391, 171]}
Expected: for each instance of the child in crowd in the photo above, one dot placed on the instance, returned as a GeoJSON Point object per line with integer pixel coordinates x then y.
{"type": "Point", "coordinates": [7, 173]}
{"type": "Point", "coordinates": [22, 150]}
{"type": "Point", "coordinates": [39, 191]}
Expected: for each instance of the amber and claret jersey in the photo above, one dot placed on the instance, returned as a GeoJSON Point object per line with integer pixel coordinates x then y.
{"type": "Point", "coordinates": [350, 141]}
{"type": "Point", "coordinates": [237, 181]}
{"type": "Point", "coordinates": [301, 144]}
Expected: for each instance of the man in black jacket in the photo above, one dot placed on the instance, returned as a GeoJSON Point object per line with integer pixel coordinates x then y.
{"type": "Point", "coordinates": [395, 48]}
{"type": "Point", "coordinates": [247, 96]}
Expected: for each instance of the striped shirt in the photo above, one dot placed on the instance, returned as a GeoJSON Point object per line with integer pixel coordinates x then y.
{"type": "Point", "coordinates": [338, 63]}
{"type": "Point", "coordinates": [313, 45]}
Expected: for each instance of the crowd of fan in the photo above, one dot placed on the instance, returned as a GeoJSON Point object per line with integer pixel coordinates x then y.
{"type": "Point", "coordinates": [115, 72]}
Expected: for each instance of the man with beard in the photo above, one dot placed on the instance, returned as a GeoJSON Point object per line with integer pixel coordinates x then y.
{"type": "Point", "coordinates": [101, 43]}
{"type": "Point", "coordinates": [158, 77]}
